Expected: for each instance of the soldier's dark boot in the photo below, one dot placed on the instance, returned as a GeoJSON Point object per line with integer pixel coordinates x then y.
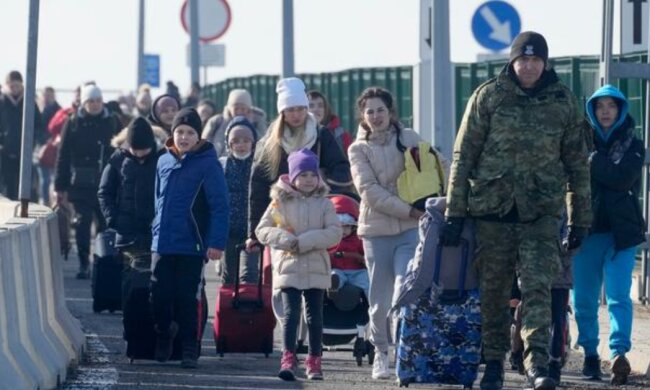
{"type": "Point", "coordinates": [165, 342]}
{"type": "Point", "coordinates": [493, 375]}
{"type": "Point", "coordinates": [190, 358]}
{"type": "Point", "coordinates": [555, 370]}
{"type": "Point", "coordinates": [539, 380]}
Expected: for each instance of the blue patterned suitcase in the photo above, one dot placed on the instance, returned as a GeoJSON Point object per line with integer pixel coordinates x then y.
{"type": "Point", "coordinates": [440, 334]}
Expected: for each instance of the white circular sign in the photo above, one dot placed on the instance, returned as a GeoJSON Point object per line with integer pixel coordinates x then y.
{"type": "Point", "coordinates": [214, 18]}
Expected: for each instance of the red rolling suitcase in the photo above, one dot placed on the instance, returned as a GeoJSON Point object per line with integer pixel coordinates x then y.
{"type": "Point", "coordinates": [244, 320]}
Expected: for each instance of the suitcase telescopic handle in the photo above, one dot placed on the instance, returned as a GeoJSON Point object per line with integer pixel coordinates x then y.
{"type": "Point", "coordinates": [464, 244]}
{"type": "Point", "coordinates": [236, 299]}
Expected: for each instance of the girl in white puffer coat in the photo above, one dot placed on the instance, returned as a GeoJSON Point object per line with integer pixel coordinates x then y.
{"type": "Point", "coordinates": [299, 225]}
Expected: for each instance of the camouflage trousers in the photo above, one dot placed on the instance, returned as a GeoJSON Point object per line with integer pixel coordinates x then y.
{"type": "Point", "coordinates": [533, 250]}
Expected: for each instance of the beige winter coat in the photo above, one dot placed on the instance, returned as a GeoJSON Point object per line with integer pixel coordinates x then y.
{"type": "Point", "coordinates": [376, 165]}
{"type": "Point", "coordinates": [299, 230]}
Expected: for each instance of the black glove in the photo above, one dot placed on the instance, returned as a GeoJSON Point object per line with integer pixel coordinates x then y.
{"type": "Point", "coordinates": [574, 237]}
{"type": "Point", "coordinates": [451, 230]}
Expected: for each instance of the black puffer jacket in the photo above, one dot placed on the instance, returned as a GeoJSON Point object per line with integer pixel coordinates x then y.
{"type": "Point", "coordinates": [333, 163]}
{"type": "Point", "coordinates": [85, 149]}
{"type": "Point", "coordinates": [126, 196]}
{"type": "Point", "coordinates": [615, 188]}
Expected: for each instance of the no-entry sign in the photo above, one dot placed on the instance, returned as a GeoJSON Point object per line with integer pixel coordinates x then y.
{"type": "Point", "coordinates": [214, 19]}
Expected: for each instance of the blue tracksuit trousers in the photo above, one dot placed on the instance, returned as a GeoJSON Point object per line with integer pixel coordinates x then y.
{"type": "Point", "coordinates": [598, 262]}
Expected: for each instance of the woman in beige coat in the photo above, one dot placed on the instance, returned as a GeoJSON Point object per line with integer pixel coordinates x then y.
{"type": "Point", "coordinates": [387, 224]}
{"type": "Point", "coordinates": [299, 225]}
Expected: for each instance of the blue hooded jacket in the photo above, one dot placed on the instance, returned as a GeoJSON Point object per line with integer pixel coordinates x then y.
{"type": "Point", "coordinates": [191, 200]}
{"type": "Point", "coordinates": [607, 91]}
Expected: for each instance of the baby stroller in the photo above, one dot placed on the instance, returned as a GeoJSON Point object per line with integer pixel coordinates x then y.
{"type": "Point", "coordinates": [345, 312]}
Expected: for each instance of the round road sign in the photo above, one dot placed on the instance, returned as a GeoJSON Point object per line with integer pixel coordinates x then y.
{"type": "Point", "coordinates": [214, 19]}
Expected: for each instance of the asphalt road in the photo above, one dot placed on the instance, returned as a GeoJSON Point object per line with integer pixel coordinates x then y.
{"type": "Point", "coordinates": [105, 365]}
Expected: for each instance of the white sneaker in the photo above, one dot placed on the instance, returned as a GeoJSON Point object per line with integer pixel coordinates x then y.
{"type": "Point", "coordinates": [380, 366]}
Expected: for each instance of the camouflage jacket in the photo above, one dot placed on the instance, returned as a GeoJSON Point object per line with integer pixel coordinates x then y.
{"type": "Point", "coordinates": [521, 149]}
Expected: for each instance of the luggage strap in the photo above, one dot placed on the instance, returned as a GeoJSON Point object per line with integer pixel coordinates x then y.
{"type": "Point", "coordinates": [236, 301]}
{"type": "Point", "coordinates": [461, 275]}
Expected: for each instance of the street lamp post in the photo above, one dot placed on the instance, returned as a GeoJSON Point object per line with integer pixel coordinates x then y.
{"type": "Point", "coordinates": [27, 139]}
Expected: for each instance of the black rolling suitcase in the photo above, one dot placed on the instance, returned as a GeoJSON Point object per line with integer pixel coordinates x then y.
{"type": "Point", "coordinates": [107, 274]}
{"type": "Point", "coordinates": [139, 332]}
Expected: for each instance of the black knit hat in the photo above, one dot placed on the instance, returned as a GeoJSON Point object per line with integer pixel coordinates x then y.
{"type": "Point", "coordinates": [187, 116]}
{"type": "Point", "coordinates": [139, 134]}
{"type": "Point", "coordinates": [529, 43]}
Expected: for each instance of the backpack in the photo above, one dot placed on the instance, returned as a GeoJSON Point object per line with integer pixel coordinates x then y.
{"type": "Point", "coordinates": [423, 176]}
{"type": "Point", "coordinates": [449, 272]}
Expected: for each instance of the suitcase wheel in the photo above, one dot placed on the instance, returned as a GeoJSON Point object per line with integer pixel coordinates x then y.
{"type": "Point", "coordinates": [131, 361]}
{"type": "Point", "coordinates": [301, 348]}
{"type": "Point", "coordinates": [403, 383]}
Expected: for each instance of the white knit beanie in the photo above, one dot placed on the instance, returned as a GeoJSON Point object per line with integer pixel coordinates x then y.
{"type": "Point", "coordinates": [241, 96]}
{"type": "Point", "coordinates": [90, 91]}
{"type": "Point", "coordinates": [291, 93]}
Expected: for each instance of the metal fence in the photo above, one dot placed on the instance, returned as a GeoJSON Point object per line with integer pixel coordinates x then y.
{"type": "Point", "coordinates": [341, 89]}
{"type": "Point", "coordinates": [580, 74]}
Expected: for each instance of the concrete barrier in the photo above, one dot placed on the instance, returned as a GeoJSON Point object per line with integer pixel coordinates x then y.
{"type": "Point", "coordinates": [39, 338]}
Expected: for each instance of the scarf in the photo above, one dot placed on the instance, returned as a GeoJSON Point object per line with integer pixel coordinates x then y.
{"type": "Point", "coordinates": [304, 139]}
{"type": "Point", "coordinates": [383, 136]}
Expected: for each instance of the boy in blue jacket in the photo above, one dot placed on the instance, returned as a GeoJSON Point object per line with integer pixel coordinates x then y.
{"type": "Point", "coordinates": [191, 223]}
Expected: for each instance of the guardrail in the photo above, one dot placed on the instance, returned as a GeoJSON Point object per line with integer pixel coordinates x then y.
{"type": "Point", "coordinates": [39, 338]}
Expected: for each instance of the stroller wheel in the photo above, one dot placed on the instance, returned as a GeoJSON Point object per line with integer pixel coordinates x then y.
{"type": "Point", "coordinates": [301, 348]}
{"type": "Point", "coordinates": [370, 351]}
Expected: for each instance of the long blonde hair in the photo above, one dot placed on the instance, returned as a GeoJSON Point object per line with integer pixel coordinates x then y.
{"type": "Point", "coordinates": [268, 156]}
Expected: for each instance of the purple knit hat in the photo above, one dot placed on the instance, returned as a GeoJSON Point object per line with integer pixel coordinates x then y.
{"type": "Point", "coordinates": [302, 160]}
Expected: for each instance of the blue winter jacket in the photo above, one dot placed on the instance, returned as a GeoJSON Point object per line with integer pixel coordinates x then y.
{"type": "Point", "coordinates": [191, 199]}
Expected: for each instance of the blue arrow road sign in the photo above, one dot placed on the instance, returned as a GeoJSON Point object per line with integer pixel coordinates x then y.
{"type": "Point", "coordinates": [495, 24]}
{"type": "Point", "coordinates": [152, 70]}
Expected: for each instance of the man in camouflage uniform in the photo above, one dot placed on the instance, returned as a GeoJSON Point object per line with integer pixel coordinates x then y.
{"type": "Point", "coordinates": [519, 152]}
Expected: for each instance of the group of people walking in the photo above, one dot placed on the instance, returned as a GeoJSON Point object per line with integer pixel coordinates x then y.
{"type": "Point", "coordinates": [187, 188]}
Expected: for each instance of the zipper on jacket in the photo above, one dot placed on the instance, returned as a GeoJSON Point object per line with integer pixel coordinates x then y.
{"type": "Point", "coordinates": [196, 225]}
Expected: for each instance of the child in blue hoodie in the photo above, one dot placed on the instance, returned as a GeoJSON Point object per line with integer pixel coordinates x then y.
{"type": "Point", "coordinates": [607, 253]}
{"type": "Point", "coordinates": [190, 224]}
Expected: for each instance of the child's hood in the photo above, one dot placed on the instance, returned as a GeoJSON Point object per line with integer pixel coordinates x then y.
{"type": "Point", "coordinates": [283, 190]}
{"type": "Point", "coordinates": [344, 204]}
{"type": "Point", "coordinates": [614, 93]}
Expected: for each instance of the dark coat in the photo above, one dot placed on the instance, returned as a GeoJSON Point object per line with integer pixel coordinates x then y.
{"type": "Point", "coordinates": [84, 151]}
{"type": "Point", "coordinates": [191, 201]}
{"type": "Point", "coordinates": [11, 126]}
{"type": "Point", "coordinates": [615, 189]}
{"type": "Point", "coordinates": [126, 196]}
{"type": "Point", "coordinates": [333, 163]}
{"type": "Point", "coordinates": [238, 174]}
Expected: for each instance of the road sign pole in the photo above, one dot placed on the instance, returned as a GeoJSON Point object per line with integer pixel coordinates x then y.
{"type": "Point", "coordinates": [25, 184]}
{"type": "Point", "coordinates": [442, 125]}
{"type": "Point", "coordinates": [287, 39]}
{"type": "Point", "coordinates": [140, 44]}
{"type": "Point", "coordinates": [607, 39]}
{"type": "Point", "coordinates": [645, 267]}
{"type": "Point", "coordinates": [194, 40]}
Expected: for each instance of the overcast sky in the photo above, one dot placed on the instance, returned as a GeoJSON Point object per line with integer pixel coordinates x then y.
{"type": "Point", "coordinates": [97, 39]}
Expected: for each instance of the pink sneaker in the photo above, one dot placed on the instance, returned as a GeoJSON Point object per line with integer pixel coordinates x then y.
{"type": "Point", "coordinates": [312, 368]}
{"type": "Point", "coordinates": [288, 365]}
